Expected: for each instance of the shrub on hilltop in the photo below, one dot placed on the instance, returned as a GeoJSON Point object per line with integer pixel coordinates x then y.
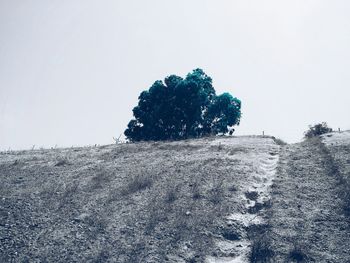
{"type": "Point", "coordinates": [317, 130]}
{"type": "Point", "coordinates": [181, 108]}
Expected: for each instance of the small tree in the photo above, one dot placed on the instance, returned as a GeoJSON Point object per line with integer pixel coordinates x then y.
{"type": "Point", "coordinates": [183, 108]}
{"type": "Point", "coordinates": [317, 130]}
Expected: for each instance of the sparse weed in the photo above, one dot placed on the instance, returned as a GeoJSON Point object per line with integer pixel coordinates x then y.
{"type": "Point", "coordinates": [99, 179]}
{"type": "Point", "coordinates": [230, 233]}
{"type": "Point", "coordinates": [256, 208]}
{"type": "Point", "coordinates": [136, 252]}
{"type": "Point", "coordinates": [236, 150]}
{"type": "Point", "coordinates": [297, 254]}
{"type": "Point", "coordinates": [102, 256]}
{"type": "Point", "coordinates": [232, 188]}
{"type": "Point", "coordinates": [253, 195]}
{"type": "Point", "coordinates": [260, 251]}
{"type": "Point", "coordinates": [216, 194]}
{"type": "Point", "coordinates": [332, 169]}
{"type": "Point", "coordinates": [137, 183]}
{"type": "Point", "coordinates": [157, 213]}
{"type": "Point", "coordinates": [62, 162]}
{"type": "Point", "coordinates": [68, 195]}
{"type": "Point", "coordinates": [220, 147]}
{"type": "Point", "coordinates": [196, 194]}
{"type": "Point", "coordinates": [171, 194]}
{"type": "Point", "coordinates": [345, 194]}
{"type": "Point", "coordinates": [113, 196]}
{"type": "Point", "coordinates": [279, 141]}
{"type": "Point", "coordinates": [261, 243]}
{"type": "Point", "coordinates": [97, 224]}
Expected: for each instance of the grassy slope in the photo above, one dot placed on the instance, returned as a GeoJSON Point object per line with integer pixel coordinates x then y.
{"type": "Point", "coordinates": [187, 201]}
{"type": "Point", "coordinates": [148, 202]}
{"type": "Point", "coordinates": [338, 148]}
{"type": "Point", "coordinates": [307, 220]}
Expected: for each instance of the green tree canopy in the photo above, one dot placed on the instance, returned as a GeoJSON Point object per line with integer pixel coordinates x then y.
{"type": "Point", "coordinates": [183, 108]}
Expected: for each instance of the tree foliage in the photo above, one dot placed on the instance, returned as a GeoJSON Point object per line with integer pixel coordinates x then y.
{"type": "Point", "coordinates": [180, 108]}
{"type": "Point", "coordinates": [317, 130]}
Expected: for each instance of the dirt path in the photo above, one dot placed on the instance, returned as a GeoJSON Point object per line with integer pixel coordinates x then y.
{"type": "Point", "coordinates": [307, 224]}
{"type": "Point", "coordinates": [249, 221]}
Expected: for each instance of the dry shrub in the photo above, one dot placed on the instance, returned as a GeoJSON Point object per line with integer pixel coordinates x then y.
{"type": "Point", "coordinates": [171, 194]}
{"type": "Point", "coordinates": [279, 141]}
{"type": "Point", "coordinates": [137, 183]}
{"type": "Point", "coordinates": [261, 251]}
{"type": "Point", "coordinates": [317, 130]}
{"type": "Point", "coordinates": [261, 243]}
{"type": "Point", "coordinates": [62, 162]}
{"type": "Point", "coordinates": [297, 254]}
{"type": "Point", "coordinates": [216, 194]}
{"type": "Point", "coordinates": [196, 193]}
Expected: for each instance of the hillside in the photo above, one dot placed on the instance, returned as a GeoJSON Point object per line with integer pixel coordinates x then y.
{"type": "Point", "coordinates": [309, 220]}
{"type": "Point", "coordinates": [222, 199]}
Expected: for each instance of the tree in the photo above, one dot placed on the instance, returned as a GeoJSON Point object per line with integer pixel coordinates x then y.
{"type": "Point", "coordinates": [183, 108]}
{"type": "Point", "coordinates": [317, 130]}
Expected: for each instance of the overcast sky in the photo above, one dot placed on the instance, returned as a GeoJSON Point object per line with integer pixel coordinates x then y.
{"type": "Point", "coordinates": [71, 71]}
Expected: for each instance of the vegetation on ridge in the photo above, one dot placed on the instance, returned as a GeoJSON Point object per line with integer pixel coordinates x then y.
{"type": "Point", "coordinates": [183, 108]}
{"type": "Point", "coordinates": [317, 130]}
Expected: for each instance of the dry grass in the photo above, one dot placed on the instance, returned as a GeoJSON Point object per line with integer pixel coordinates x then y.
{"type": "Point", "coordinates": [171, 194]}
{"type": "Point", "coordinates": [297, 254]}
{"type": "Point", "coordinates": [142, 202]}
{"type": "Point", "coordinates": [66, 199]}
{"type": "Point", "coordinates": [253, 195]}
{"type": "Point", "coordinates": [62, 162]}
{"type": "Point", "coordinates": [332, 169]}
{"type": "Point", "coordinates": [216, 194]}
{"type": "Point", "coordinates": [100, 179]}
{"type": "Point", "coordinates": [260, 237]}
{"type": "Point", "coordinates": [137, 183]}
{"type": "Point", "coordinates": [279, 141]}
{"type": "Point", "coordinates": [195, 190]}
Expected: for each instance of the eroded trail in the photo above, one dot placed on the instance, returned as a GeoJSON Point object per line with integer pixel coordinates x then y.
{"type": "Point", "coordinates": [254, 197]}
{"type": "Point", "coordinates": [306, 221]}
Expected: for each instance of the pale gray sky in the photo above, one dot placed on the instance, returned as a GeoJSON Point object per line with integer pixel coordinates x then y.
{"type": "Point", "coordinates": [71, 70]}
